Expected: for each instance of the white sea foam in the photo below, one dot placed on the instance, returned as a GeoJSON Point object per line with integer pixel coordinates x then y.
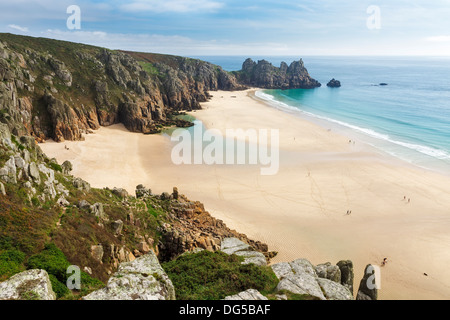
{"type": "Point", "coordinates": [429, 151]}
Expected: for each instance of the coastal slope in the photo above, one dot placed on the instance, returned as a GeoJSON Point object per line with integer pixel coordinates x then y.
{"type": "Point", "coordinates": [302, 210]}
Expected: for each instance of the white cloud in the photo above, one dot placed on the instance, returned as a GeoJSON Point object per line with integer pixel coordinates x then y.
{"type": "Point", "coordinates": [16, 27]}
{"type": "Point", "coordinates": [180, 6]}
{"type": "Point", "coordinates": [439, 39]}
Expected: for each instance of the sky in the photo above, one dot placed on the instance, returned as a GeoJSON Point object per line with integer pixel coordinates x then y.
{"type": "Point", "coordinates": [240, 27]}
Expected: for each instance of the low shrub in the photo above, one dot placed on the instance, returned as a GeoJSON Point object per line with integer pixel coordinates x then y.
{"type": "Point", "coordinates": [53, 260]}
{"type": "Point", "coordinates": [215, 275]}
{"type": "Point", "coordinates": [11, 262]}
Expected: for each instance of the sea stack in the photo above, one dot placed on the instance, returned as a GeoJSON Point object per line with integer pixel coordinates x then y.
{"type": "Point", "coordinates": [334, 83]}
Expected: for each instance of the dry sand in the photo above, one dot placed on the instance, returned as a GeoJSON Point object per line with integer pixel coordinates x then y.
{"type": "Point", "coordinates": [300, 211]}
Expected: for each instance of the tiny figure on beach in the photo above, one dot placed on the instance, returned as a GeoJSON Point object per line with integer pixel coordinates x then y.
{"type": "Point", "coordinates": [404, 198]}
{"type": "Point", "coordinates": [349, 212]}
{"type": "Point", "coordinates": [409, 200]}
{"type": "Point", "coordinates": [384, 262]}
{"type": "Point", "coordinates": [65, 147]}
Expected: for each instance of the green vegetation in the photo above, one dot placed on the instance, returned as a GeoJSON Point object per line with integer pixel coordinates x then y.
{"type": "Point", "coordinates": [59, 288]}
{"type": "Point", "coordinates": [53, 260]}
{"type": "Point", "coordinates": [215, 275]}
{"type": "Point", "coordinates": [55, 166]}
{"type": "Point", "coordinates": [17, 143]}
{"type": "Point", "coordinates": [149, 68]}
{"type": "Point", "coordinates": [11, 262]}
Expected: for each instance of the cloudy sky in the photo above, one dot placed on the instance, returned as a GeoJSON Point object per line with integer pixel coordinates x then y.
{"type": "Point", "coordinates": [241, 27]}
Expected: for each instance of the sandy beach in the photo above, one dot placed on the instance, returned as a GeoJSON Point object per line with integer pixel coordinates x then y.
{"type": "Point", "coordinates": [301, 211]}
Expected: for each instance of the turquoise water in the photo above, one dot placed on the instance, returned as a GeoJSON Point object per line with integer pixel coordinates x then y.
{"type": "Point", "coordinates": [409, 118]}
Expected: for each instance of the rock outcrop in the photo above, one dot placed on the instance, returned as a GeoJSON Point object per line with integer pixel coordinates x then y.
{"type": "Point", "coordinates": [333, 83]}
{"type": "Point", "coordinates": [65, 91]}
{"type": "Point", "coordinates": [368, 286]}
{"type": "Point", "coordinates": [300, 277]}
{"type": "Point", "coordinates": [263, 74]}
{"type": "Point", "coordinates": [191, 226]}
{"type": "Point", "coordinates": [28, 285]}
{"type": "Point", "coordinates": [141, 279]}
{"type": "Point", "coordinates": [241, 249]}
{"type": "Point", "coordinates": [347, 274]}
{"type": "Point", "coordinates": [328, 271]}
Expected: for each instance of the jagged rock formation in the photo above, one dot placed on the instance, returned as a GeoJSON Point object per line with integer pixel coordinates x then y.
{"type": "Point", "coordinates": [264, 75]}
{"type": "Point", "coordinates": [241, 249]}
{"type": "Point", "coordinates": [141, 279]}
{"type": "Point", "coordinates": [54, 89]}
{"type": "Point", "coordinates": [368, 286]}
{"type": "Point", "coordinates": [328, 271]}
{"type": "Point", "coordinates": [28, 285]}
{"type": "Point", "coordinates": [347, 274]}
{"type": "Point", "coordinates": [191, 226]}
{"type": "Point", "coordinates": [333, 83]}
{"type": "Point", "coordinates": [300, 277]}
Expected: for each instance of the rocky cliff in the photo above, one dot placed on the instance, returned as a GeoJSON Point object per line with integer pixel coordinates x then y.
{"type": "Point", "coordinates": [263, 74]}
{"type": "Point", "coordinates": [61, 90]}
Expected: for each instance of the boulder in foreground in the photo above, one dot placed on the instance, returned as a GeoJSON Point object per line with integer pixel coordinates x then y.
{"type": "Point", "coordinates": [140, 279]}
{"type": "Point", "coordinates": [28, 285]}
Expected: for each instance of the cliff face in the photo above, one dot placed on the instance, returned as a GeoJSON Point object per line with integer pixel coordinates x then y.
{"type": "Point", "coordinates": [60, 90]}
{"type": "Point", "coordinates": [264, 75]}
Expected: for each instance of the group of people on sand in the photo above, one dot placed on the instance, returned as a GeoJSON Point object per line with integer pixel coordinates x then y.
{"type": "Point", "coordinates": [408, 201]}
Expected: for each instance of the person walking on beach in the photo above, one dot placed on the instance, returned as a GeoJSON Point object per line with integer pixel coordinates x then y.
{"type": "Point", "coordinates": [384, 262]}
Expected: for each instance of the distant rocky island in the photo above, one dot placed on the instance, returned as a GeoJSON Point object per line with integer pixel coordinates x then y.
{"type": "Point", "coordinates": [51, 220]}
{"type": "Point", "coordinates": [333, 83]}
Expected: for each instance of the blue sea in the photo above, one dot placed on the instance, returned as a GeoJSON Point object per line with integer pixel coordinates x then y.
{"type": "Point", "coordinates": [408, 118]}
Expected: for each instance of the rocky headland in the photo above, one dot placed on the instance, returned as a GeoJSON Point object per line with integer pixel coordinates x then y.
{"type": "Point", "coordinates": [263, 74]}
